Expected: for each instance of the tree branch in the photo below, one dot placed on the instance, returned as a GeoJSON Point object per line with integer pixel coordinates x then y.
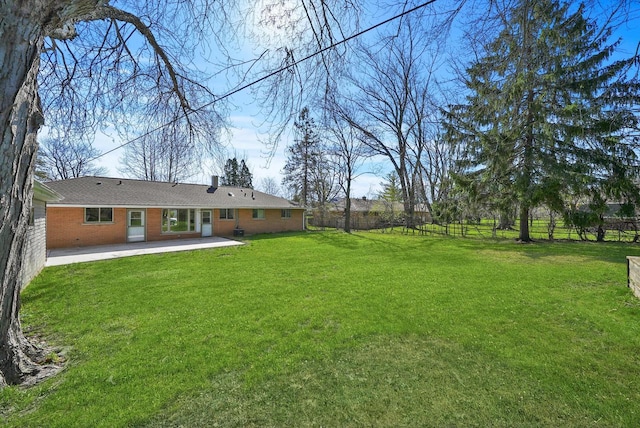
{"type": "Point", "coordinates": [67, 31]}
{"type": "Point", "coordinates": [121, 15]}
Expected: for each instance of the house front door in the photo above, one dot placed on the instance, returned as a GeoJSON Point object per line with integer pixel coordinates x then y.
{"type": "Point", "coordinates": [207, 224]}
{"type": "Point", "coordinates": [135, 225]}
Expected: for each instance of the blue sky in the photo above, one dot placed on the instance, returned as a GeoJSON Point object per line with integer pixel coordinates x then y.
{"type": "Point", "coordinates": [244, 134]}
{"type": "Point", "coordinates": [243, 138]}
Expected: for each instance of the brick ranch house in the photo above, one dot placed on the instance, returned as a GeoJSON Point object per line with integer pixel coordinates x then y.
{"type": "Point", "coordinates": [103, 210]}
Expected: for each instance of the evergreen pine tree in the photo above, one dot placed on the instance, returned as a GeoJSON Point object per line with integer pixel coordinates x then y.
{"type": "Point", "coordinates": [230, 177]}
{"type": "Point", "coordinates": [245, 178]}
{"type": "Point", "coordinates": [237, 175]}
{"type": "Point", "coordinates": [302, 159]}
{"type": "Point", "coordinates": [547, 111]}
{"type": "Point", "coordinates": [391, 190]}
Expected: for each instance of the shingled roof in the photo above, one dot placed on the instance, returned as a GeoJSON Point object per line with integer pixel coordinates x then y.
{"type": "Point", "coordinates": [121, 192]}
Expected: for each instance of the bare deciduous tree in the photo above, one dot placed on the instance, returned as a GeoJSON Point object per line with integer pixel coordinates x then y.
{"type": "Point", "coordinates": [393, 109]}
{"type": "Point", "coordinates": [165, 155]}
{"type": "Point", "coordinates": [347, 151]}
{"type": "Point", "coordinates": [269, 185]}
{"type": "Point", "coordinates": [60, 159]}
{"type": "Point", "coordinates": [286, 33]}
{"type": "Point", "coordinates": [100, 65]}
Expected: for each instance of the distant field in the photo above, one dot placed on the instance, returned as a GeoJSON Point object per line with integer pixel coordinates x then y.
{"type": "Point", "coordinates": [331, 329]}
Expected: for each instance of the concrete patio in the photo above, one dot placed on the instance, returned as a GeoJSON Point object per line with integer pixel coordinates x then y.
{"type": "Point", "coordinates": [66, 256]}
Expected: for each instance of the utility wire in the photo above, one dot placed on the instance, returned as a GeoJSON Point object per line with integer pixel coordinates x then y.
{"type": "Point", "coordinates": [273, 73]}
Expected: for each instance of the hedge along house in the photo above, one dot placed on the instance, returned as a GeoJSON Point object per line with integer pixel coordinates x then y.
{"type": "Point", "coordinates": [101, 210]}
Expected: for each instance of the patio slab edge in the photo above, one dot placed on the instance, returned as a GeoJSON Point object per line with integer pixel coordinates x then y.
{"type": "Point", "coordinates": [60, 257]}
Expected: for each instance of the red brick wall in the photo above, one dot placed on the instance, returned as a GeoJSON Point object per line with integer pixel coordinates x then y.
{"type": "Point", "coordinates": [223, 227]}
{"type": "Point", "coordinates": [273, 222]}
{"type": "Point", "coordinates": [66, 228]}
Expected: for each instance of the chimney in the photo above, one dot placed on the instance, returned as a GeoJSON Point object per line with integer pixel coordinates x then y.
{"type": "Point", "coordinates": [214, 184]}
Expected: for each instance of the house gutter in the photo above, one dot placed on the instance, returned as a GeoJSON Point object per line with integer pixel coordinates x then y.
{"type": "Point", "coordinates": [43, 193]}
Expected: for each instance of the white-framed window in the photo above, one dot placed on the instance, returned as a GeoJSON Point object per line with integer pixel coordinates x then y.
{"type": "Point", "coordinates": [175, 220]}
{"type": "Point", "coordinates": [226, 214]}
{"type": "Point", "coordinates": [98, 215]}
{"type": "Point", "coordinates": [258, 214]}
{"type": "Point", "coordinates": [285, 213]}
{"type": "Point", "coordinates": [136, 218]}
{"type": "Point", "coordinates": [206, 216]}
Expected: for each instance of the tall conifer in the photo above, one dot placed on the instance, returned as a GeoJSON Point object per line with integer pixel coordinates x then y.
{"type": "Point", "coordinates": [548, 112]}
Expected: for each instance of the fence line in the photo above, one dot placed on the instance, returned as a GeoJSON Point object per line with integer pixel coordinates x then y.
{"type": "Point", "coordinates": [622, 230]}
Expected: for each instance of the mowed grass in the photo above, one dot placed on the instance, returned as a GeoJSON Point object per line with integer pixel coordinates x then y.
{"type": "Point", "coordinates": [331, 329]}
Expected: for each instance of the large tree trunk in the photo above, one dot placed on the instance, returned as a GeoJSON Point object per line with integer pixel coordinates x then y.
{"type": "Point", "coordinates": [524, 223]}
{"type": "Point", "coordinates": [506, 219]}
{"type": "Point", "coordinates": [527, 169]}
{"type": "Point", "coordinates": [347, 207]}
{"type": "Point", "coordinates": [20, 119]}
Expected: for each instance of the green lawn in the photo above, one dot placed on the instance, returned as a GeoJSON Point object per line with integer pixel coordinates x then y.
{"type": "Point", "coordinates": [330, 329]}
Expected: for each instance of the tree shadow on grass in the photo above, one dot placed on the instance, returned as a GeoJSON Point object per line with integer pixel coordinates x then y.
{"type": "Point", "coordinates": [615, 252]}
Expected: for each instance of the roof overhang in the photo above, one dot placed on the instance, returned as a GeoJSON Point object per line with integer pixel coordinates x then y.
{"type": "Point", "coordinates": [43, 193]}
{"type": "Point", "coordinates": [200, 207]}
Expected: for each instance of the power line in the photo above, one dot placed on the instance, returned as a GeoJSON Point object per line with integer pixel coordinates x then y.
{"type": "Point", "coordinates": [273, 73]}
